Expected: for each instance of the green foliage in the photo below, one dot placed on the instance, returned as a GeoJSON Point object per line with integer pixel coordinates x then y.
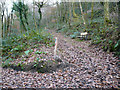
{"type": "Point", "coordinates": [117, 45]}
{"type": "Point", "coordinates": [36, 62]}
{"type": "Point", "coordinates": [75, 34]}
{"type": "Point", "coordinates": [14, 46]}
{"type": "Point", "coordinates": [72, 36]}
{"type": "Point", "coordinates": [103, 35]}
{"type": "Point", "coordinates": [20, 6]}
{"type": "Point", "coordinates": [27, 52]}
{"type": "Point", "coordinates": [22, 9]}
{"type": "Point", "coordinates": [42, 36]}
{"type": "Point", "coordinates": [7, 62]}
{"type": "Point", "coordinates": [39, 52]}
{"type": "Point", "coordinates": [96, 40]}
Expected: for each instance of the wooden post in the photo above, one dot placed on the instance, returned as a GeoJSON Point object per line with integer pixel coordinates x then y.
{"type": "Point", "coordinates": [55, 50]}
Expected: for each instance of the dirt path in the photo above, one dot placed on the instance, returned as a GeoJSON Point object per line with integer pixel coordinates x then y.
{"type": "Point", "coordinates": [93, 68]}
{"type": "Point", "coordinates": [92, 62]}
{"type": "Point", "coordinates": [77, 52]}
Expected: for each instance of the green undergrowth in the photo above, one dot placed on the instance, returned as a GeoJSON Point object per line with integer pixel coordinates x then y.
{"type": "Point", "coordinates": [16, 45]}
{"type": "Point", "coordinates": [103, 36]}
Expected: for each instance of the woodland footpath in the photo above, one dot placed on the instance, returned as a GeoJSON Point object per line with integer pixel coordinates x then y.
{"type": "Point", "coordinates": [81, 67]}
{"type": "Point", "coordinates": [88, 48]}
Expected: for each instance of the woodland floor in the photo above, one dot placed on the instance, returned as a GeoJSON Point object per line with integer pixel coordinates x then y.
{"type": "Point", "coordinates": [92, 68]}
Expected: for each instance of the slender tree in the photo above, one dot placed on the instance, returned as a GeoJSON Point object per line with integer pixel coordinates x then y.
{"type": "Point", "coordinates": [74, 14]}
{"type": "Point", "coordinates": [70, 15]}
{"type": "Point", "coordinates": [92, 5]}
{"type": "Point", "coordinates": [106, 12]}
{"type": "Point", "coordinates": [18, 8]}
{"type": "Point", "coordinates": [39, 5]}
{"type": "Point", "coordinates": [82, 14]}
{"type": "Point", "coordinates": [85, 15]}
{"type": "Point", "coordinates": [2, 11]}
{"type": "Point", "coordinates": [57, 14]}
{"type": "Point", "coordinates": [8, 23]}
{"type": "Point", "coordinates": [11, 21]}
{"type": "Point", "coordinates": [34, 14]}
{"type": "Point", "coordinates": [66, 11]}
{"type": "Point", "coordinates": [5, 25]}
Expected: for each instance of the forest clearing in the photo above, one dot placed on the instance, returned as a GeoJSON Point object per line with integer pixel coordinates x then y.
{"type": "Point", "coordinates": [60, 44]}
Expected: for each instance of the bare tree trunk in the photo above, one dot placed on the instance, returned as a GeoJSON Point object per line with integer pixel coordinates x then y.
{"type": "Point", "coordinates": [22, 22]}
{"type": "Point", "coordinates": [58, 15]}
{"type": "Point", "coordinates": [66, 12]}
{"type": "Point", "coordinates": [70, 16]}
{"type": "Point", "coordinates": [85, 16]}
{"type": "Point", "coordinates": [11, 22]}
{"type": "Point", "coordinates": [74, 14]}
{"type": "Point", "coordinates": [106, 11]}
{"type": "Point", "coordinates": [4, 31]}
{"type": "Point", "coordinates": [2, 22]}
{"type": "Point", "coordinates": [3, 12]}
{"type": "Point", "coordinates": [92, 5]}
{"type": "Point", "coordinates": [8, 24]}
{"type": "Point", "coordinates": [34, 14]}
{"type": "Point", "coordinates": [82, 14]}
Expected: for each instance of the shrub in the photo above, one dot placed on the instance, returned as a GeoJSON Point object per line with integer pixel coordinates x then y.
{"type": "Point", "coordinates": [12, 47]}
